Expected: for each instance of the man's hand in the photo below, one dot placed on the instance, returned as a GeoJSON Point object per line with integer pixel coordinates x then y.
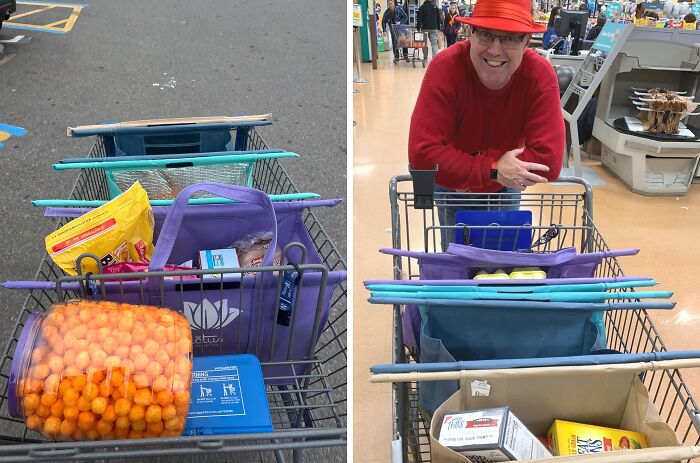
{"type": "Point", "coordinates": [514, 173]}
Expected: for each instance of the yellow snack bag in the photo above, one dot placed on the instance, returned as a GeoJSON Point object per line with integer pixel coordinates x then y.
{"type": "Point", "coordinates": [119, 231]}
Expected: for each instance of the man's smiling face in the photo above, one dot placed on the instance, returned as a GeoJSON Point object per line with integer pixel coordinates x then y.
{"type": "Point", "coordinates": [496, 55]}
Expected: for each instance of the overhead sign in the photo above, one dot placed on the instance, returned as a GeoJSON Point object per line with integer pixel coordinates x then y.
{"type": "Point", "coordinates": [614, 10]}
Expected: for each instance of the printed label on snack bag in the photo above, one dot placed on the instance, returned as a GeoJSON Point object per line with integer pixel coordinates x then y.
{"type": "Point", "coordinates": [93, 232]}
{"type": "Point", "coordinates": [140, 248]}
{"type": "Point", "coordinates": [122, 252]}
{"type": "Point", "coordinates": [107, 259]}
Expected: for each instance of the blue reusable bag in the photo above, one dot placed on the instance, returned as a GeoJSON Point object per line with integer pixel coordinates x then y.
{"type": "Point", "coordinates": [480, 332]}
{"type": "Point", "coordinates": [489, 232]}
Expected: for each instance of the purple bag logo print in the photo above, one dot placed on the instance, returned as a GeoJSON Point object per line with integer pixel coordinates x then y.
{"type": "Point", "coordinates": [208, 316]}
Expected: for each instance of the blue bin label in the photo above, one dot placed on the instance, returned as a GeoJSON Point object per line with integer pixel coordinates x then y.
{"type": "Point", "coordinates": [216, 392]}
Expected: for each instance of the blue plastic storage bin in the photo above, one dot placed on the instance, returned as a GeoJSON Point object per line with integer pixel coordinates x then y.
{"type": "Point", "coordinates": [227, 396]}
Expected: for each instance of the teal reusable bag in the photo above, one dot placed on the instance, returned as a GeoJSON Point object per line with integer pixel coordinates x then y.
{"type": "Point", "coordinates": [165, 177]}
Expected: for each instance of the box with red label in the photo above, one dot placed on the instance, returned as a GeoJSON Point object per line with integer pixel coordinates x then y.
{"type": "Point", "coordinates": [567, 438]}
{"type": "Point", "coordinates": [490, 435]}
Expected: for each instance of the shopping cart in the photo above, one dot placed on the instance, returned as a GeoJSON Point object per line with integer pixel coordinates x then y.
{"type": "Point", "coordinates": [308, 401]}
{"type": "Point", "coordinates": [408, 37]}
{"type": "Point", "coordinates": [560, 219]}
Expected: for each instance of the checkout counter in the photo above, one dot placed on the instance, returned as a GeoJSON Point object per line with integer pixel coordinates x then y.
{"type": "Point", "coordinates": [652, 164]}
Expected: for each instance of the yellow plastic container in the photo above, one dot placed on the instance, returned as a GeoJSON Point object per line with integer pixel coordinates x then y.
{"type": "Point", "coordinates": [497, 275]}
{"type": "Point", "coordinates": [528, 273]}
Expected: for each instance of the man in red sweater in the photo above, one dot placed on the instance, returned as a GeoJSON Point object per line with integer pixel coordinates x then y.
{"type": "Point", "coordinates": [488, 112]}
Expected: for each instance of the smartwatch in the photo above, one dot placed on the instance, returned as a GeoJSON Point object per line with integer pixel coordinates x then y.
{"type": "Point", "coordinates": [494, 170]}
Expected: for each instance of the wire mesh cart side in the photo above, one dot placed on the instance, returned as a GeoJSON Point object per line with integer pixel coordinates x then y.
{"type": "Point", "coordinates": [308, 400]}
{"type": "Point", "coordinates": [409, 38]}
{"type": "Point", "coordinates": [562, 218]}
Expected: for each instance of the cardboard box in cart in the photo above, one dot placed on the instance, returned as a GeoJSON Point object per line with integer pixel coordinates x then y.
{"type": "Point", "coordinates": [490, 435]}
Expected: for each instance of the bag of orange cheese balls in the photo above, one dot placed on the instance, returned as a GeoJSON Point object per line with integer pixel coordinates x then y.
{"type": "Point", "coordinates": [89, 370]}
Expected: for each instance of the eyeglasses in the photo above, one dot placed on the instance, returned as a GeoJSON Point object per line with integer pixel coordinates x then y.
{"type": "Point", "coordinates": [508, 42]}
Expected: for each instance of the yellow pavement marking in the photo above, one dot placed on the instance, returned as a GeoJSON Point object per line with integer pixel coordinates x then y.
{"type": "Point", "coordinates": [73, 18]}
{"type": "Point", "coordinates": [21, 15]}
{"type": "Point", "coordinates": [4, 135]}
{"type": "Point", "coordinates": [67, 23]}
{"type": "Point", "coordinates": [62, 21]}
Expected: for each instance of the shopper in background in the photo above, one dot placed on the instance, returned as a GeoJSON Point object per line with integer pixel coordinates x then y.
{"type": "Point", "coordinates": [451, 25]}
{"type": "Point", "coordinates": [595, 30]}
{"type": "Point", "coordinates": [549, 33]}
{"type": "Point", "coordinates": [639, 12]}
{"type": "Point", "coordinates": [428, 20]}
{"type": "Point", "coordinates": [488, 112]}
{"type": "Point", "coordinates": [463, 10]}
{"type": "Point", "coordinates": [394, 15]}
{"type": "Point", "coordinates": [591, 8]}
{"type": "Point", "coordinates": [689, 20]}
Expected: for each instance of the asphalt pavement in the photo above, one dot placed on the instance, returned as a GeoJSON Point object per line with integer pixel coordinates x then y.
{"type": "Point", "coordinates": [140, 59]}
{"type": "Point", "coordinates": [243, 57]}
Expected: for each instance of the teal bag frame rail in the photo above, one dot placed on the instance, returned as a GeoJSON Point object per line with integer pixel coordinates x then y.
{"type": "Point", "coordinates": [113, 168]}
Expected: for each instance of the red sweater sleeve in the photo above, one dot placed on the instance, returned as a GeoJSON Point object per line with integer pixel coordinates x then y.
{"type": "Point", "coordinates": [428, 140]}
{"type": "Point", "coordinates": [544, 128]}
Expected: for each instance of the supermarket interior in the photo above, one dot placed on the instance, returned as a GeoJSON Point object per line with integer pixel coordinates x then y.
{"type": "Point", "coordinates": [638, 159]}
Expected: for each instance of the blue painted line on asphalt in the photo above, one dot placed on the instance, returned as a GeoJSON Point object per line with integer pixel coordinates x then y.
{"type": "Point", "coordinates": [30, 28]}
{"type": "Point", "coordinates": [12, 130]}
{"type": "Point", "coordinates": [84, 5]}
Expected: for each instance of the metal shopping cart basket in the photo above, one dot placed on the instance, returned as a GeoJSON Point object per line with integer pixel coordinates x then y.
{"type": "Point", "coordinates": [308, 400]}
{"type": "Point", "coordinates": [562, 218]}
{"type": "Point", "coordinates": [408, 37]}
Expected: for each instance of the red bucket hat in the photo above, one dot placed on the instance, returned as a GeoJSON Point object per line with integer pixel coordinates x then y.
{"type": "Point", "coordinates": [504, 15]}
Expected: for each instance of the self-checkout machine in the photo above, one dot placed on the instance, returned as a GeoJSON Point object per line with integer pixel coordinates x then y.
{"type": "Point", "coordinates": [650, 163]}
{"type": "Point", "coordinates": [583, 86]}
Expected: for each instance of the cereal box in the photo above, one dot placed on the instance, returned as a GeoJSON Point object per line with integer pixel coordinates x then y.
{"type": "Point", "coordinates": [567, 438]}
{"type": "Point", "coordinates": [490, 435]}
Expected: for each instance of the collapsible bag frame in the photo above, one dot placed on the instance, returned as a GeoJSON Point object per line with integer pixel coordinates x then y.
{"type": "Point", "coordinates": [163, 177]}
{"type": "Point", "coordinates": [561, 218]}
{"type": "Point", "coordinates": [308, 422]}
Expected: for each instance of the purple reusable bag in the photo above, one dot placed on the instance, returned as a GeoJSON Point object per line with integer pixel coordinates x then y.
{"type": "Point", "coordinates": [241, 317]}
{"type": "Point", "coordinates": [254, 325]}
{"type": "Point", "coordinates": [461, 262]}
